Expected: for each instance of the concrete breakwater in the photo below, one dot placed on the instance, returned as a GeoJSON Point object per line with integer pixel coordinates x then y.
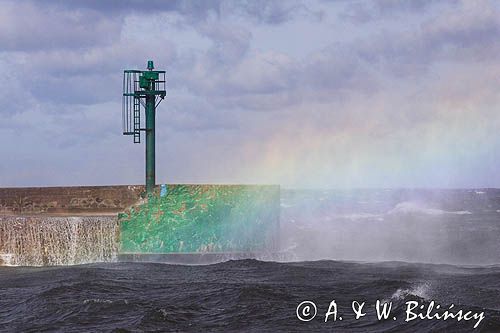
{"type": "Point", "coordinates": [75, 225]}
{"type": "Point", "coordinates": [68, 201]}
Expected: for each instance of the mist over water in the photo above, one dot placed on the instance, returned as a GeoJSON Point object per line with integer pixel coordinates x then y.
{"type": "Point", "coordinates": [433, 226]}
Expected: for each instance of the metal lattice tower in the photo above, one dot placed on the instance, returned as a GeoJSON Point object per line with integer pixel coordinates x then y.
{"type": "Point", "coordinates": [143, 90]}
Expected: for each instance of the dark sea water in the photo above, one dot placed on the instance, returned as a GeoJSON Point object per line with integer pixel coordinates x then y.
{"type": "Point", "coordinates": [244, 295]}
{"type": "Point", "coordinates": [394, 246]}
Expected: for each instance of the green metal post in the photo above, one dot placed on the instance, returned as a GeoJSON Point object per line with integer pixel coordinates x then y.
{"type": "Point", "coordinates": [145, 88]}
{"type": "Point", "coordinates": [150, 143]}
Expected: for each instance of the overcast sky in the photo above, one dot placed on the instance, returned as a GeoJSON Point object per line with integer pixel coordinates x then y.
{"type": "Point", "coordinates": [328, 94]}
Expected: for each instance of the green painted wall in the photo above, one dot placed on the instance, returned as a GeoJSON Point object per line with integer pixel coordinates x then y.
{"type": "Point", "coordinates": [203, 218]}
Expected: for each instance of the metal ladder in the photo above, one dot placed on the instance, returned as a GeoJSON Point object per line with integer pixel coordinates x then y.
{"type": "Point", "coordinates": [137, 120]}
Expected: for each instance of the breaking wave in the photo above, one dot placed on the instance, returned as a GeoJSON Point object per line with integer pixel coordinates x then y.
{"type": "Point", "coordinates": [411, 207]}
{"type": "Point", "coordinates": [421, 290]}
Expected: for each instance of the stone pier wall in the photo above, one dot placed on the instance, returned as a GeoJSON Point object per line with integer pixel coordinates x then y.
{"type": "Point", "coordinates": [68, 201]}
{"type": "Point", "coordinates": [72, 225]}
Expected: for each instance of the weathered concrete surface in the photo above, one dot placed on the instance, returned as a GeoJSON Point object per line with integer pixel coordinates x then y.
{"type": "Point", "coordinates": [68, 201]}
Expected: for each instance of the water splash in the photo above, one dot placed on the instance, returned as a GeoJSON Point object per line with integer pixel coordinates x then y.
{"type": "Point", "coordinates": [421, 290]}
{"type": "Point", "coordinates": [433, 226]}
{"type": "Point", "coordinates": [42, 241]}
{"type": "Point", "coordinates": [411, 207]}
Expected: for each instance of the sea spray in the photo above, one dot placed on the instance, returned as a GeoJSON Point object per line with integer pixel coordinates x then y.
{"type": "Point", "coordinates": [41, 241]}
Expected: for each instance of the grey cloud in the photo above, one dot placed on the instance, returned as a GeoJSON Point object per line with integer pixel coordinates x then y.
{"type": "Point", "coordinates": [338, 66]}
{"type": "Point", "coordinates": [111, 59]}
{"type": "Point", "coordinates": [191, 7]}
{"type": "Point", "coordinates": [88, 90]}
{"type": "Point", "coordinates": [49, 25]}
{"type": "Point", "coordinates": [256, 82]}
{"type": "Point", "coordinates": [230, 43]}
{"type": "Point", "coordinates": [366, 11]}
{"type": "Point", "coordinates": [474, 24]}
{"type": "Point", "coordinates": [272, 12]}
{"type": "Point", "coordinates": [191, 113]}
{"type": "Point", "coordinates": [273, 81]}
{"type": "Point", "coordinates": [40, 28]}
{"type": "Point", "coordinates": [231, 76]}
{"type": "Point", "coordinates": [464, 33]}
{"type": "Point", "coordinates": [81, 77]}
{"type": "Point", "coordinates": [276, 12]}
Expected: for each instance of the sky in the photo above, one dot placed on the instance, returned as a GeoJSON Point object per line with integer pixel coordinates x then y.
{"type": "Point", "coordinates": [305, 94]}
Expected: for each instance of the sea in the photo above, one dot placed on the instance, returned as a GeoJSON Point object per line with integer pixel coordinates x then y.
{"type": "Point", "coordinates": [421, 254]}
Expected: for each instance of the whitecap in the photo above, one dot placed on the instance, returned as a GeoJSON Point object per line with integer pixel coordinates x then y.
{"type": "Point", "coordinates": [359, 216]}
{"type": "Point", "coordinates": [103, 301]}
{"type": "Point", "coordinates": [421, 290]}
{"type": "Point", "coordinates": [410, 207]}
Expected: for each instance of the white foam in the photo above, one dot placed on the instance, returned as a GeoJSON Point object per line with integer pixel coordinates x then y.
{"type": "Point", "coordinates": [410, 207]}
{"type": "Point", "coordinates": [421, 290]}
{"type": "Point", "coordinates": [103, 301]}
{"type": "Point", "coordinates": [359, 216]}
{"type": "Point", "coordinates": [460, 212]}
